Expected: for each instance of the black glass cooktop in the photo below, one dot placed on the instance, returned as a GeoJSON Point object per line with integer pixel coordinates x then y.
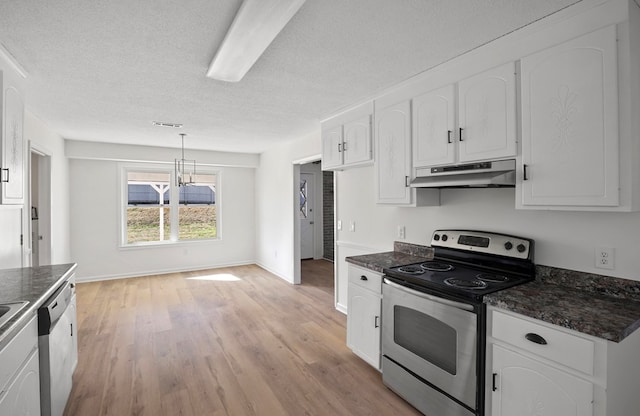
{"type": "Point", "coordinates": [449, 277]}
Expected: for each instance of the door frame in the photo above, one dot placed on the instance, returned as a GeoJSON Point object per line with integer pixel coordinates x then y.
{"type": "Point", "coordinates": [43, 181]}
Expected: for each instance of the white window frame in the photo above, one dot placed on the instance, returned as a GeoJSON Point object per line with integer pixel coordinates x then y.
{"type": "Point", "coordinates": [174, 196]}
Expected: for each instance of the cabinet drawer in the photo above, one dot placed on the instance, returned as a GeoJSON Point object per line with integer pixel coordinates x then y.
{"type": "Point", "coordinates": [564, 348]}
{"type": "Point", "coordinates": [365, 278]}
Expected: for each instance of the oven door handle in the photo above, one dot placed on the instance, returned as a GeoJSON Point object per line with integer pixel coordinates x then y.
{"type": "Point", "coordinates": [436, 299]}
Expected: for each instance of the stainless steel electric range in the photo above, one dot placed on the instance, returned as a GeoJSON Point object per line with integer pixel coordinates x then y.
{"type": "Point", "coordinates": [434, 321]}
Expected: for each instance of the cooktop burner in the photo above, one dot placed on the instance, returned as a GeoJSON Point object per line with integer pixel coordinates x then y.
{"type": "Point", "coordinates": [411, 269]}
{"type": "Point", "coordinates": [437, 266]}
{"type": "Point", "coordinates": [491, 277]}
{"type": "Point", "coordinates": [473, 284]}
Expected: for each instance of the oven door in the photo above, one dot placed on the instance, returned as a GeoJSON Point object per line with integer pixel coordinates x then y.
{"type": "Point", "coordinates": [434, 338]}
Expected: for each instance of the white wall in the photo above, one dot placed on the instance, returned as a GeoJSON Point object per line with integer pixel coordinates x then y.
{"type": "Point", "coordinates": [563, 239]}
{"type": "Point", "coordinates": [95, 211]}
{"type": "Point", "coordinates": [275, 204]}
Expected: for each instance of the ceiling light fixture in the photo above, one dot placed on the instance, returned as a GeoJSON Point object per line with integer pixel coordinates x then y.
{"type": "Point", "coordinates": [255, 26]}
{"type": "Point", "coordinates": [165, 124]}
{"type": "Point", "coordinates": [185, 169]}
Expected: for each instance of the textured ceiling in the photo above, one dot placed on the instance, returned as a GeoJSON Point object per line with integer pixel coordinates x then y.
{"type": "Point", "coordinates": [103, 70]}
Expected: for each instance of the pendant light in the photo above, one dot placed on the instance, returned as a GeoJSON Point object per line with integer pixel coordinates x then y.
{"type": "Point", "coordinates": [185, 169]}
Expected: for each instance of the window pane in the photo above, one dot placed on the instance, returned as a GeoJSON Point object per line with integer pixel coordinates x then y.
{"type": "Point", "coordinates": [147, 214]}
{"type": "Point", "coordinates": [197, 212]}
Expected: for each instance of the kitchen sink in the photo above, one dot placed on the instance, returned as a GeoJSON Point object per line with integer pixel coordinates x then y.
{"type": "Point", "coordinates": [9, 310]}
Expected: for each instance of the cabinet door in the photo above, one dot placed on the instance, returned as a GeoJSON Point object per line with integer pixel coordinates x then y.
{"type": "Point", "coordinates": [433, 128]}
{"type": "Point", "coordinates": [363, 324]}
{"type": "Point", "coordinates": [357, 141]}
{"type": "Point", "coordinates": [393, 150]}
{"type": "Point", "coordinates": [332, 147]}
{"type": "Point", "coordinates": [13, 148]}
{"type": "Point", "coordinates": [11, 244]}
{"type": "Point", "coordinates": [23, 396]}
{"type": "Point", "coordinates": [570, 123]}
{"type": "Point", "coordinates": [528, 387]}
{"type": "Point", "coordinates": [487, 115]}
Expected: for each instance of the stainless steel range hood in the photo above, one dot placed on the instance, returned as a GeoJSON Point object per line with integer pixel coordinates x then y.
{"type": "Point", "coordinates": [499, 173]}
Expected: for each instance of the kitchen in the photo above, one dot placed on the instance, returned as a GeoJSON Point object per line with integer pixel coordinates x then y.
{"type": "Point", "coordinates": [563, 239]}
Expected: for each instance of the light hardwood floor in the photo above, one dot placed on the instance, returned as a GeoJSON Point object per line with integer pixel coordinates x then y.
{"type": "Point", "coordinates": [233, 341]}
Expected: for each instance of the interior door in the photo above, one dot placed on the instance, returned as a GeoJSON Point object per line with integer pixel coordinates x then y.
{"type": "Point", "coordinates": [306, 213]}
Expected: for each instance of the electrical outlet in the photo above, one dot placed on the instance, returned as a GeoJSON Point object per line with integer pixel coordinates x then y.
{"type": "Point", "coordinates": [401, 231]}
{"type": "Point", "coordinates": [339, 225]}
{"type": "Point", "coordinates": [352, 226]}
{"type": "Point", "coordinates": [605, 258]}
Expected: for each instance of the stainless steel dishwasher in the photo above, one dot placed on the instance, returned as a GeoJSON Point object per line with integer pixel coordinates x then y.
{"type": "Point", "coordinates": [57, 345]}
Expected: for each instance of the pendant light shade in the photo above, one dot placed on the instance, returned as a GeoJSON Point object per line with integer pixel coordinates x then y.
{"type": "Point", "coordinates": [185, 169]}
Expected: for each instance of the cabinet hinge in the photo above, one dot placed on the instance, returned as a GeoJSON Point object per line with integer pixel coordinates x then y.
{"type": "Point", "coordinates": [21, 239]}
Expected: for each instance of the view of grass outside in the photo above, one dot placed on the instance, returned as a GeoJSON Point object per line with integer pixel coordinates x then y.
{"type": "Point", "coordinates": [143, 224]}
{"type": "Point", "coordinates": [196, 222]}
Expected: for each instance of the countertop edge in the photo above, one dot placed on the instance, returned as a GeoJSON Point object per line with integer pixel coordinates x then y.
{"type": "Point", "coordinates": [15, 324]}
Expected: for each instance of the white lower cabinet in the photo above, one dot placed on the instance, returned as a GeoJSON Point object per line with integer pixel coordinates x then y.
{"type": "Point", "coordinates": [536, 368]}
{"type": "Point", "coordinates": [20, 373]}
{"type": "Point", "coordinates": [364, 314]}
{"type": "Point", "coordinates": [524, 386]}
{"type": "Point", "coordinates": [23, 396]}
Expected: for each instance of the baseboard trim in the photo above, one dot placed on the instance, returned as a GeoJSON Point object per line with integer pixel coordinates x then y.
{"type": "Point", "coordinates": [86, 279]}
{"type": "Point", "coordinates": [274, 272]}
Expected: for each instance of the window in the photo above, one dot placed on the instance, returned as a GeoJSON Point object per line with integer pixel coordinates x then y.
{"type": "Point", "coordinates": [156, 210]}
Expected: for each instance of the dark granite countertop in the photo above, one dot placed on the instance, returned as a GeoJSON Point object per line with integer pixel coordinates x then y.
{"type": "Point", "coordinates": [601, 306]}
{"type": "Point", "coordinates": [31, 284]}
{"type": "Point", "coordinates": [404, 253]}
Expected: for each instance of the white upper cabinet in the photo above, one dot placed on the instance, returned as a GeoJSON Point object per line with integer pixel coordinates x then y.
{"type": "Point", "coordinates": [487, 115]}
{"type": "Point", "coordinates": [357, 141]}
{"type": "Point", "coordinates": [347, 139]}
{"type": "Point", "coordinates": [393, 149]}
{"type": "Point", "coordinates": [12, 148]}
{"type": "Point", "coordinates": [332, 147]}
{"type": "Point", "coordinates": [433, 127]}
{"type": "Point", "coordinates": [477, 124]}
{"type": "Point", "coordinates": [570, 123]}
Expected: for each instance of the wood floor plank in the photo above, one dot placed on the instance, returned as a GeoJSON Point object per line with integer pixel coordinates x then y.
{"type": "Point", "coordinates": [229, 341]}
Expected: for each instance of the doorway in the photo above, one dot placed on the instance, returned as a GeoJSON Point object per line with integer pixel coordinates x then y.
{"type": "Point", "coordinates": [314, 218]}
{"type": "Point", "coordinates": [40, 202]}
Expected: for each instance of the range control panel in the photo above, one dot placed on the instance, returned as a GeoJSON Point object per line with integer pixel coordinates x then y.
{"type": "Point", "coordinates": [483, 242]}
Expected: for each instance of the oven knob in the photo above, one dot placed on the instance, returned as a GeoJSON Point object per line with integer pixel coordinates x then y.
{"type": "Point", "coordinates": [521, 248]}
{"type": "Point", "coordinates": [508, 245]}
{"type": "Point", "coordinates": [444, 237]}
{"type": "Point", "coordinates": [436, 237]}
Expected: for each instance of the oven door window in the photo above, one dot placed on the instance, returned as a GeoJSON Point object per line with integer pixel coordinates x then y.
{"type": "Point", "coordinates": [426, 337]}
